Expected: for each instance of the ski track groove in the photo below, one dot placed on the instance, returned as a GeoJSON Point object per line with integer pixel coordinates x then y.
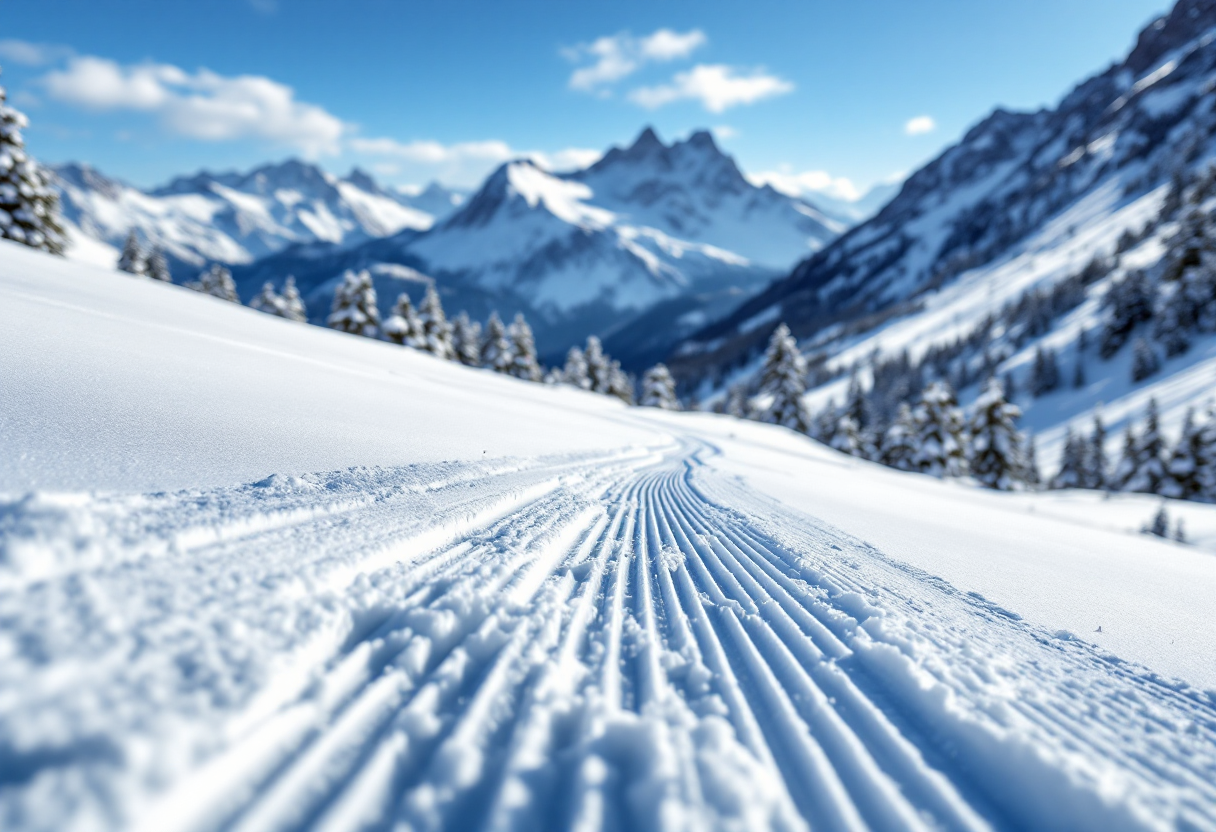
{"type": "Point", "coordinates": [614, 648]}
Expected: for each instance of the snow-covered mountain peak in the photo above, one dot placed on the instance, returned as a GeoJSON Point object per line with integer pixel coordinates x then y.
{"type": "Point", "coordinates": [517, 188]}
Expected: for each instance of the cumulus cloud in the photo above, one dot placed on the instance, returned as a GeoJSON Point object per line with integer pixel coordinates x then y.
{"type": "Point", "coordinates": [718, 87]}
{"type": "Point", "coordinates": [32, 54]}
{"type": "Point", "coordinates": [614, 57]}
{"type": "Point", "coordinates": [810, 181]}
{"type": "Point", "coordinates": [200, 105]}
{"type": "Point", "coordinates": [920, 124]}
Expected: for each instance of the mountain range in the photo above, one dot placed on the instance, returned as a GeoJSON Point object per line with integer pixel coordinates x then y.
{"type": "Point", "coordinates": [237, 218]}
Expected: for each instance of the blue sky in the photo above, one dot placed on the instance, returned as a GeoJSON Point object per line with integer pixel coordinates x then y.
{"type": "Point", "coordinates": [818, 96]}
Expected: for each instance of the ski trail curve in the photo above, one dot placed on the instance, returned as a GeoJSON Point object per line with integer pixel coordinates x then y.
{"type": "Point", "coordinates": [634, 642]}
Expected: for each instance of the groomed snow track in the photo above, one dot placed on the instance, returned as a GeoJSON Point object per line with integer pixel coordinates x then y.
{"type": "Point", "coordinates": [620, 642]}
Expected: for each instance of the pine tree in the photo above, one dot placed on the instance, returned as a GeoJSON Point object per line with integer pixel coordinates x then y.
{"type": "Point", "coordinates": [1205, 464]}
{"type": "Point", "coordinates": [523, 351]}
{"type": "Point", "coordinates": [575, 371]}
{"type": "Point", "coordinates": [293, 306]}
{"type": "Point", "coordinates": [1182, 467]}
{"type": "Point", "coordinates": [216, 281]}
{"type": "Point", "coordinates": [436, 331]}
{"type": "Point", "coordinates": [268, 301]}
{"type": "Point", "coordinates": [736, 402]}
{"type": "Point", "coordinates": [1144, 360]}
{"type": "Point", "coordinates": [158, 265]}
{"type": "Point", "coordinates": [598, 366]}
{"type": "Point", "coordinates": [1180, 532]}
{"type": "Point", "coordinates": [132, 260]}
{"type": "Point", "coordinates": [354, 308]}
{"type": "Point", "coordinates": [1148, 472]}
{"type": "Point", "coordinates": [856, 405]}
{"type": "Point", "coordinates": [1160, 526]}
{"type": "Point", "coordinates": [1189, 246]}
{"type": "Point", "coordinates": [1096, 464]}
{"type": "Point", "coordinates": [620, 384]}
{"type": "Point", "coordinates": [496, 349]}
{"type": "Point", "coordinates": [783, 379]}
{"type": "Point", "coordinates": [659, 389]}
{"type": "Point", "coordinates": [404, 326]}
{"type": "Point", "coordinates": [899, 442]}
{"type": "Point", "coordinates": [847, 436]}
{"type": "Point", "coordinates": [29, 206]}
{"type": "Point", "coordinates": [941, 445]}
{"type": "Point", "coordinates": [1045, 374]}
{"type": "Point", "coordinates": [1126, 467]}
{"type": "Point", "coordinates": [1032, 464]}
{"type": "Point", "coordinates": [1129, 303]}
{"type": "Point", "coordinates": [996, 445]}
{"type": "Point", "coordinates": [466, 340]}
{"type": "Point", "coordinates": [1071, 473]}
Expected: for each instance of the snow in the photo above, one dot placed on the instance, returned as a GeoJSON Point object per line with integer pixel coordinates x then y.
{"type": "Point", "coordinates": [260, 575]}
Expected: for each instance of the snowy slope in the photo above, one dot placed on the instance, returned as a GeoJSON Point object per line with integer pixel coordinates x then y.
{"type": "Point", "coordinates": [233, 217]}
{"type": "Point", "coordinates": [1115, 138]}
{"type": "Point", "coordinates": [535, 608]}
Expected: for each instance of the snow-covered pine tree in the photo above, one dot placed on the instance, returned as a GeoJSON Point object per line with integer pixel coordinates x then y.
{"type": "Point", "coordinates": [659, 389]}
{"type": "Point", "coordinates": [293, 305]}
{"type": "Point", "coordinates": [216, 281]}
{"type": "Point", "coordinates": [598, 365]}
{"type": "Point", "coordinates": [523, 350]}
{"type": "Point", "coordinates": [466, 340]}
{"type": "Point", "coordinates": [354, 308]}
{"type": "Point", "coordinates": [1174, 321]}
{"type": "Point", "coordinates": [1071, 473]}
{"type": "Point", "coordinates": [620, 384]}
{"type": "Point", "coordinates": [131, 260]}
{"type": "Point", "coordinates": [941, 443]}
{"type": "Point", "coordinates": [1126, 466]}
{"type": "Point", "coordinates": [1144, 360]}
{"type": "Point", "coordinates": [1160, 526]}
{"type": "Point", "coordinates": [783, 379]}
{"type": "Point", "coordinates": [736, 402]}
{"type": "Point", "coordinates": [1096, 464]}
{"type": "Point", "coordinates": [436, 331]}
{"type": "Point", "coordinates": [1129, 303]}
{"type": "Point", "coordinates": [29, 206]}
{"type": "Point", "coordinates": [1149, 464]}
{"type": "Point", "coordinates": [268, 300]}
{"type": "Point", "coordinates": [496, 349]}
{"type": "Point", "coordinates": [996, 444]}
{"type": "Point", "coordinates": [575, 371]}
{"type": "Point", "coordinates": [158, 265]}
{"type": "Point", "coordinates": [1032, 463]}
{"type": "Point", "coordinates": [1045, 373]}
{"type": "Point", "coordinates": [856, 403]}
{"type": "Point", "coordinates": [899, 442]}
{"type": "Point", "coordinates": [1189, 246]}
{"type": "Point", "coordinates": [847, 436]}
{"type": "Point", "coordinates": [404, 326]}
{"type": "Point", "coordinates": [1205, 465]}
{"type": "Point", "coordinates": [1182, 466]}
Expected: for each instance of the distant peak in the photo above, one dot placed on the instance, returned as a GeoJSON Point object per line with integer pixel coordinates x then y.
{"type": "Point", "coordinates": [363, 180]}
{"type": "Point", "coordinates": [647, 141]}
{"type": "Point", "coordinates": [703, 139]}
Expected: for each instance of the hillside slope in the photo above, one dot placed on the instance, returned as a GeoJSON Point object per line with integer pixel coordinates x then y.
{"type": "Point", "coordinates": [532, 607]}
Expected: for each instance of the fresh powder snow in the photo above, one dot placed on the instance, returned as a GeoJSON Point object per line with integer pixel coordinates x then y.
{"type": "Point", "coordinates": [261, 575]}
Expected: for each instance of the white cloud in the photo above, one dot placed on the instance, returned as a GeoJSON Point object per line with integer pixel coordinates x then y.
{"type": "Point", "coordinates": [920, 124]}
{"type": "Point", "coordinates": [202, 105]}
{"type": "Point", "coordinates": [718, 87]}
{"type": "Point", "coordinates": [810, 181]}
{"type": "Point", "coordinates": [724, 131]}
{"type": "Point", "coordinates": [616, 56]}
{"type": "Point", "coordinates": [466, 163]}
{"type": "Point", "coordinates": [32, 54]}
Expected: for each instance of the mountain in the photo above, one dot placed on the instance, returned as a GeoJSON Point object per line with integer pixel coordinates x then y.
{"type": "Point", "coordinates": [852, 212]}
{"type": "Point", "coordinates": [1017, 243]}
{"type": "Point", "coordinates": [435, 199]}
{"type": "Point", "coordinates": [692, 191]}
{"type": "Point", "coordinates": [235, 217]}
{"type": "Point", "coordinates": [642, 248]}
{"type": "Point", "coordinates": [1112, 140]}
